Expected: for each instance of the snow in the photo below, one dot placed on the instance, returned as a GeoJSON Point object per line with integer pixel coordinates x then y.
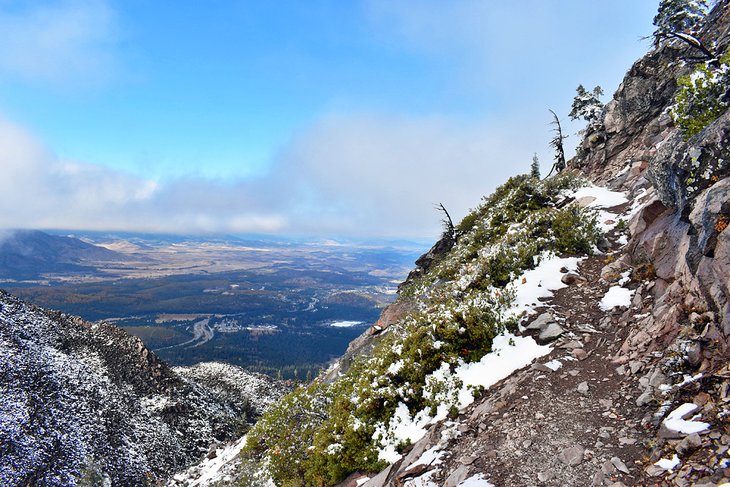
{"type": "Point", "coordinates": [540, 282]}
{"type": "Point", "coordinates": [395, 367]}
{"type": "Point", "coordinates": [362, 481]}
{"type": "Point", "coordinates": [477, 480]}
{"type": "Point", "coordinates": [402, 427]}
{"type": "Point", "coordinates": [432, 456]}
{"type": "Point", "coordinates": [604, 197]}
{"type": "Point", "coordinates": [422, 481]}
{"type": "Point", "coordinates": [674, 421]}
{"type": "Point", "coordinates": [345, 324]}
{"type": "Point", "coordinates": [667, 463]}
{"type": "Point", "coordinates": [665, 388]}
{"type": "Point", "coordinates": [212, 470]}
{"type": "Point", "coordinates": [509, 353]}
{"type": "Point", "coordinates": [554, 365]}
{"type": "Point", "coordinates": [616, 296]}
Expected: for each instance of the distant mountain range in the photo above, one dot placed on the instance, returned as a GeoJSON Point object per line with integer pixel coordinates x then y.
{"type": "Point", "coordinates": [30, 254]}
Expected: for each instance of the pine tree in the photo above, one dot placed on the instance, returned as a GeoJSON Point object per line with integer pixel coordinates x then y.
{"type": "Point", "coordinates": [678, 16]}
{"type": "Point", "coordinates": [535, 167]}
{"type": "Point", "coordinates": [587, 106]}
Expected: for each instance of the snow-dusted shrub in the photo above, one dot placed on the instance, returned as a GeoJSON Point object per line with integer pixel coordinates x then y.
{"type": "Point", "coordinates": [587, 106]}
{"type": "Point", "coordinates": [679, 15]}
{"type": "Point", "coordinates": [702, 96]}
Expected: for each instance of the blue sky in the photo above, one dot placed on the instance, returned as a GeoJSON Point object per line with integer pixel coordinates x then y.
{"type": "Point", "coordinates": [314, 117]}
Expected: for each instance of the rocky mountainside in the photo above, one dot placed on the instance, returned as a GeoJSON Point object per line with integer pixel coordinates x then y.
{"type": "Point", "coordinates": [88, 404]}
{"type": "Point", "coordinates": [571, 331]}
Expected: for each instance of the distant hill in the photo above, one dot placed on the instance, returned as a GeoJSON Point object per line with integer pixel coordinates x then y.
{"type": "Point", "coordinates": [28, 254]}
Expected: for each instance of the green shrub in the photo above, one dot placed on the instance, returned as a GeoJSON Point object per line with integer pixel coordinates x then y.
{"type": "Point", "coordinates": [701, 97]}
{"type": "Point", "coordinates": [320, 434]}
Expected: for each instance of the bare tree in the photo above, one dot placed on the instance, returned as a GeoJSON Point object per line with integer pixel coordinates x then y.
{"type": "Point", "coordinates": [557, 144]}
{"type": "Point", "coordinates": [447, 223]}
{"type": "Point", "coordinates": [692, 41]}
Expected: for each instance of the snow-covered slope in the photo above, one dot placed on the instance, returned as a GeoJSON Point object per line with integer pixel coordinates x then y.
{"type": "Point", "coordinates": [88, 401]}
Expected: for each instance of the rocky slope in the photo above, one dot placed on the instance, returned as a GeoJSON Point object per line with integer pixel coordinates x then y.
{"type": "Point", "coordinates": [88, 403]}
{"type": "Point", "coordinates": [629, 380]}
{"type": "Point", "coordinates": [638, 394]}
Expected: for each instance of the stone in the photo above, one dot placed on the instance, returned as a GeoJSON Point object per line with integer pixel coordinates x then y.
{"type": "Point", "coordinates": [552, 331]}
{"type": "Point", "coordinates": [635, 366]}
{"type": "Point", "coordinates": [583, 388]}
{"type": "Point", "coordinates": [468, 460]}
{"type": "Point", "coordinates": [607, 468]}
{"type": "Point", "coordinates": [545, 476]}
{"type": "Point", "coordinates": [457, 476]}
{"type": "Point", "coordinates": [579, 354]}
{"type": "Point", "coordinates": [541, 322]}
{"type": "Point", "coordinates": [657, 378]}
{"type": "Point", "coordinates": [654, 470]}
{"type": "Point", "coordinates": [688, 444]}
{"type": "Point", "coordinates": [572, 278]}
{"type": "Point", "coordinates": [620, 465]}
{"type": "Point", "coordinates": [572, 455]}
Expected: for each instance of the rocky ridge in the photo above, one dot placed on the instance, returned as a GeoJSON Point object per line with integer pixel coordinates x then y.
{"type": "Point", "coordinates": [637, 394]}
{"type": "Point", "coordinates": [83, 402]}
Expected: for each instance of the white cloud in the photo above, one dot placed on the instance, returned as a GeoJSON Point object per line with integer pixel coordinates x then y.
{"type": "Point", "coordinates": [58, 41]}
{"type": "Point", "coordinates": [378, 173]}
{"type": "Point", "coordinates": [370, 175]}
{"type": "Point", "coordinates": [355, 173]}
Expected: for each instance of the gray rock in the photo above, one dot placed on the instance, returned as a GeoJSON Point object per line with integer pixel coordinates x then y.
{"type": "Point", "coordinates": [657, 378]}
{"type": "Point", "coordinates": [545, 476]}
{"type": "Point", "coordinates": [572, 455]}
{"type": "Point", "coordinates": [541, 322]}
{"type": "Point", "coordinates": [583, 388]}
{"type": "Point", "coordinates": [607, 468]}
{"type": "Point", "coordinates": [645, 398]}
{"type": "Point", "coordinates": [571, 278]}
{"type": "Point", "coordinates": [457, 476]}
{"type": "Point", "coordinates": [552, 331]}
{"type": "Point", "coordinates": [688, 444]}
{"type": "Point", "coordinates": [654, 470]}
{"type": "Point", "coordinates": [620, 465]}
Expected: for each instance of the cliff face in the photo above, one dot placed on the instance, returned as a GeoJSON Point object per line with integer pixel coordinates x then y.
{"type": "Point", "coordinates": [88, 403]}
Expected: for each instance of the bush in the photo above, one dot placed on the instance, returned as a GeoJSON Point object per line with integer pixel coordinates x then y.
{"type": "Point", "coordinates": [320, 434]}
{"type": "Point", "coordinates": [702, 97]}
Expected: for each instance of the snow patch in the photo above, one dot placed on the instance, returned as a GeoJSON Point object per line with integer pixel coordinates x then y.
{"type": "Point", "coordinates": [477, 480]}
{"type": "Point", "coordinates": [674, 421]}
{"type": "Point", "coordinates": [616, 296]}
{"type": "Point", "coordinates": [540, 282]}
{"type": "Point", "coordinates": [554, 365]}
{"type": "Point", "coordinates": [668, 463]}
{"type": "Point", "coordinates": [604, 197]}
{"type": "Point", "coordinates": [509, 353]}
